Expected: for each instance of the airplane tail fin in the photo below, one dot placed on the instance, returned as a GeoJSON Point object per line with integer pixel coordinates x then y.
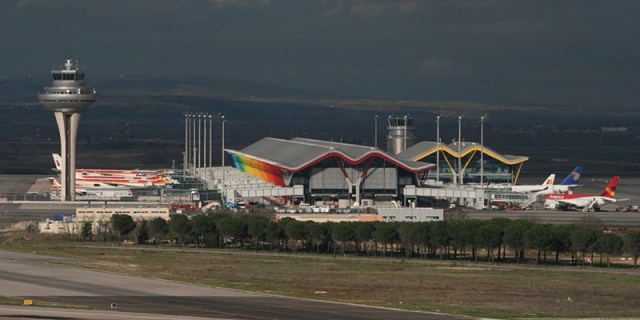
{"type": "Point", "coordinates": [549, 180]}
{"type": "Point", "coordinates": [574, 177]}
{"type": "Point", "coordinates": [610, 190]}
{"type": "Point", "coordinates": [57, 159]}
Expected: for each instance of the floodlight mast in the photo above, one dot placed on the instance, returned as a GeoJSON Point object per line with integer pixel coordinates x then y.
{"type": "Point", "coordinates": [68, 97]}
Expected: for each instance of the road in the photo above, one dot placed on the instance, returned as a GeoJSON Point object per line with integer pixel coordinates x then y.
{"type": "Point", "coordinates": [31, 276]}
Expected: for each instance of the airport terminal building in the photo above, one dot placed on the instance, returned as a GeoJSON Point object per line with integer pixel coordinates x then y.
{"type": "Point", "coordinates": [330, 171]}
{"type": "Point", "coordinates": [461, 162]}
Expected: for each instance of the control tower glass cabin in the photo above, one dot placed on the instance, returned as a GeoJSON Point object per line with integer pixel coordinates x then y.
{"type": "Point", "coordinates": [68, 97]}
{"type": "Point", "coordinates": [400, 134]}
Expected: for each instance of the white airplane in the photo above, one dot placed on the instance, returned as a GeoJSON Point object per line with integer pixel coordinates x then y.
{"type": "Point", "coordinates": [130, 178]}
{"type": "Point", "coordinates": [527, 188]}
{"type": "Point", "coordinates": [586, 202]}
{"type": "Point", "coordinates": [568, 184]}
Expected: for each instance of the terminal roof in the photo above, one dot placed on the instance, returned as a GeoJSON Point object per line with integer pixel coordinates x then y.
{"type": "Point", "coordinates": [424, 149]}
{"type": "Point", "coordinates": [299, 153]}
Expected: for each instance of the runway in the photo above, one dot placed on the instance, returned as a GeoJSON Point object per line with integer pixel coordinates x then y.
{"type": "Point", "coordinates": [27, 276]}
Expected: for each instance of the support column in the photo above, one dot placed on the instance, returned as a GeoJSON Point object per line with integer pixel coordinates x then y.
{"type": "Point", "coordinates": [68, 129]}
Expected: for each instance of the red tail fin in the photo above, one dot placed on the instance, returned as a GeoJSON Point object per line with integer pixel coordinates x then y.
{"type": "Point", "coordinates": [610, 190]}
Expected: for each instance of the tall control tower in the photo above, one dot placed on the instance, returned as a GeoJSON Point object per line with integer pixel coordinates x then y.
{"type": "Point", "coordinates": [68, 98]}
{"type": "Point", "coordinates": [399, 134]}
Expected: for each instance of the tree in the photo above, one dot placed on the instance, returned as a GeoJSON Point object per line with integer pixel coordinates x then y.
{"type": "Point", "coordinates": [231, 227]}
{"type": "Point", "coordinates": [343, 232]}
{"type": "Point", "coordinates": [142, 234]}
{"type": "Point", "coordinates": [363, 234]}
{"type": "Point", "coordinates": [295, 230]}
{"type": "Point", "coordinates": [158, 229]}
{"type": "Point", "coordinates": [180, 227]}
{"type": "Point", "coordinates": [256, 227]}
{"type": "Point", "coordinates": [404, 232]}
{"type": "Point", "coordinates": [204, 230]}
{"type": "Point", "coordinates": [440, 236]}
{"type": "Point", "coordinates": [467, 236]}
{"type": "Point", "coordinates": [87, 231]}
{"type": "Point", "coordinates": [489, 236]}
{"type": "Point", "coordinates": [501, 225]}
{"type": "Point", "coordinates": [384, 233]}
{"type": "Point", "coordinates": [561, 240]}
{"type": "Point", "coordinates": [122, 224]}
{"type": "Point", "coordinates": [582, 240]}
{"type": "Point", "coordinates": [539, 237]}
{"type": "Point", "coordinates": [317, 233]}
{"type": "Point", "coordinates": [632, 246]}
{"type": "Point", "coordinates": [273, 233]}
{"type": "Point", "coordinates": [423, 234]}
{"type": "Point", "coordinates": [610, 244]}
{"type": "Point", "coordinates": [514, 237]}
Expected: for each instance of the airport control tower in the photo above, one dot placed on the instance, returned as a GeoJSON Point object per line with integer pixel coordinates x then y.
{"type": "Point", "coordinates": [68, 98]}
{"type": "Point", "coordinates": [399, 134]}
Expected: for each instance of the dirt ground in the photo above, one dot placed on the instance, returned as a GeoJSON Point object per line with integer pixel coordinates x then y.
{"type": "Point", "coordinates": [457, 287]}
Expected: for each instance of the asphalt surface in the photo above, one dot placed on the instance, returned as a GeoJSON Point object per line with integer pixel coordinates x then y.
{"type": "Point", "coordinates": [610, 219]}
{"type": "Point", "coordinates": [31, 276]}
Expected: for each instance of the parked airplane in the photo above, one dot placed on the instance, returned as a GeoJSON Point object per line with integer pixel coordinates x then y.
{"type": "Point", "coordinates": [586, 202]}
{"type": "Point", "coordinates": [129, 178]}
{"type": "Point", "coordinates": [527, 188]}
{"type": "Point", "coordinates": [569, 183]}
{"type": "Point", "coordinates": [108, 172]}
{"type": "Point", "coordinates": [95, 189]}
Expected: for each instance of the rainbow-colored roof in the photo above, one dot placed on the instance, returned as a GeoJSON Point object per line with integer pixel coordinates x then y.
{"type": "Point", "coordinates": [269, 157]}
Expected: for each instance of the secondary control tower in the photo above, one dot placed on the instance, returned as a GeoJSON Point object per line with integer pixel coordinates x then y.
{"type": "Point", "coordinates": [68, 97]}
{"type": "Point", "coordinates": [399, 134]}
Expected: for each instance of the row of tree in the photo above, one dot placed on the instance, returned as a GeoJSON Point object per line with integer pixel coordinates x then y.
{"type": "Point", "coordinates": [492, 240]}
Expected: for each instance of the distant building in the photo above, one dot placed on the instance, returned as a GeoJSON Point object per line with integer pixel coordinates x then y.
{"type": "Point", "coordinates": [497, 167]}
{"type": "Point", "coordinates": [411, 214]}
{"type": "Point", "coordinates": [94, 214]}
{"type": "Point", "coordinates": [100, 218]}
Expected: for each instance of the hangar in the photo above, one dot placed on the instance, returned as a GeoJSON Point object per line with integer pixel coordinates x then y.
{"type": "Point", "coordinates": [331, 171]}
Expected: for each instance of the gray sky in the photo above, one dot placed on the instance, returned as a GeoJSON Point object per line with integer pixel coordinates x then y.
{"type": "Point", "coordinates": [538, 52]}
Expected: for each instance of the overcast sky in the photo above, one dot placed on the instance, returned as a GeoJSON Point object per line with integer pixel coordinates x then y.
{"type": "Point", "coordinates": [538, 52]}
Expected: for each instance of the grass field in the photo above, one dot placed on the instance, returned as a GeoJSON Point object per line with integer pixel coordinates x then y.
{"type": "Point", "coordinates": [474, 289]}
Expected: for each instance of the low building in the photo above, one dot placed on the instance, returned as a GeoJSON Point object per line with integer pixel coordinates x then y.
{"type": "Point", "coordinates": [337, 217]}
{"type": "Point", "coordinates": [137, 213]}
{"type": "Point", "coordinates": [411, 214]}
{"type": "Point", "coordinates": [100, 218]}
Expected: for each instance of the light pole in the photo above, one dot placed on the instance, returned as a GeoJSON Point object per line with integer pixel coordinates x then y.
{"type": "Point", "coordinates": [459, 144]}
{"type": "Point", "coordinates": [438, 148]}
{"type": "Point", "coordinates": [193, 143]}
{"type": "Point", "coordinates": [482, 150]}
{"type": "Point", "coordinates": [186, 144]}
{"type": "Point", "coordinates": [482, 158]}
{"type": "Point", "coordinates": [375, 131]}
{"type": "Point", "coordinates": [210, 141]}
{"type": "Point", "coordinates": [222, 138]}
{"type": "Point", "coordinates": [204, 145]}
{"type": "Point", "coordinates": [405, 133]}
{"type": "Point", "coordinates": [199, 142]}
